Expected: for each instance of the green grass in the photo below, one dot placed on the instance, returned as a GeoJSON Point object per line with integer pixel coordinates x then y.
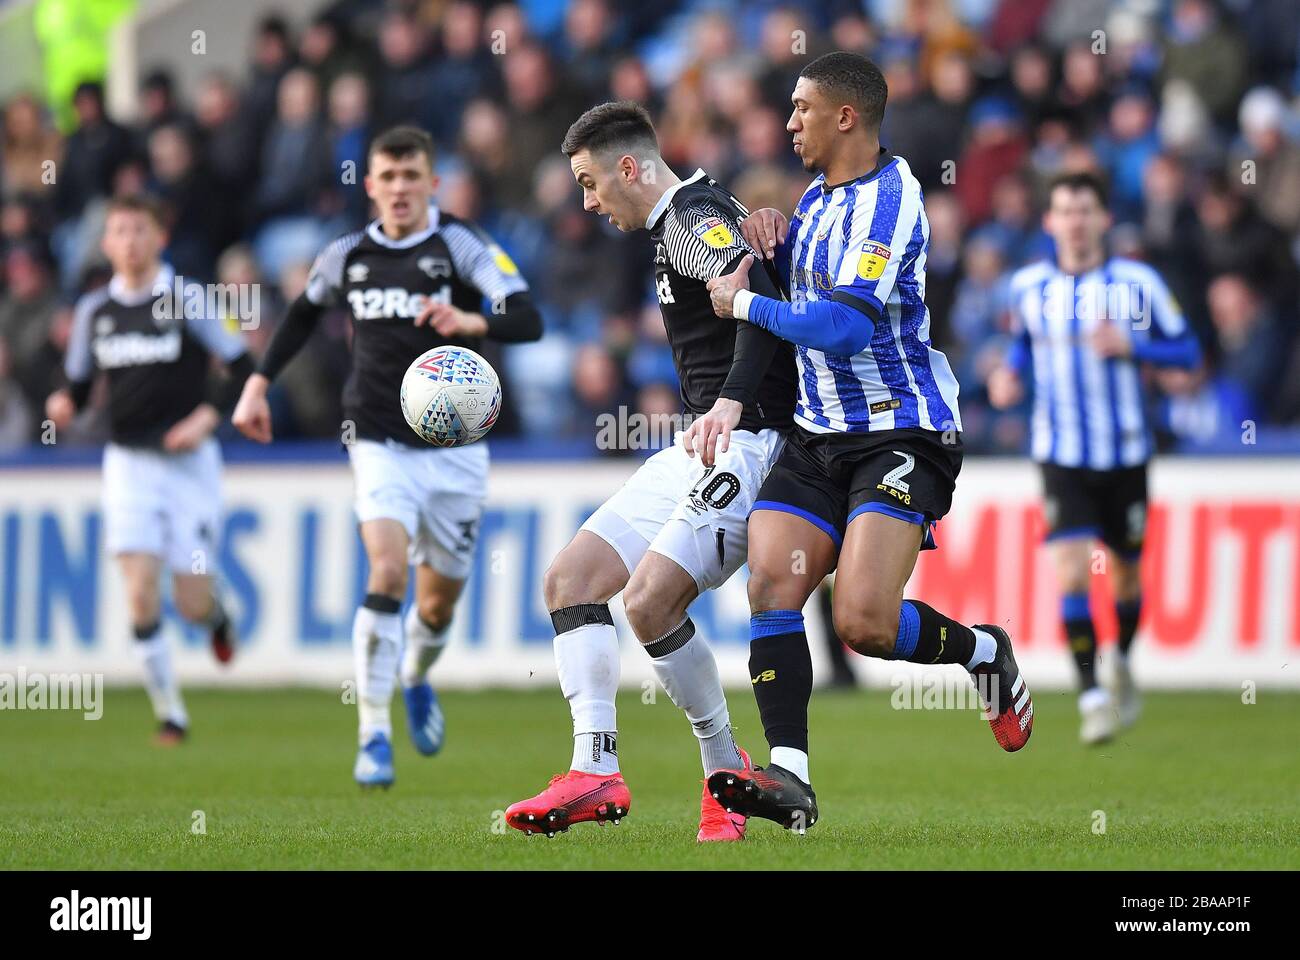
{"type": "Point", "coordinates": [1203, 782]}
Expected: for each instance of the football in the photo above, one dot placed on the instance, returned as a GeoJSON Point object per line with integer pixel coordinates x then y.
{"type": "Point", "coordinates": [450, 396]}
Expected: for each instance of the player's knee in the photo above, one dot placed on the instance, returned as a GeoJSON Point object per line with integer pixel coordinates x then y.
{"type": "Point", "coordinates": [647, 613]}
{"type": "Point", "coordinates": [193, 607]}
{"type": "Point", "coordinates": [435, 611]}
{"type": "Point", "coordinates": [388, 576]}
{"type": "Point", "coordinates": [772, 589]}
{"type": "Point", "coordinates": [871, 632]}
{"type": "Point", "coordinates": [563, 584]}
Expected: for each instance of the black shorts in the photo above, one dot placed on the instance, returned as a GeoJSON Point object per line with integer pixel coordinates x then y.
{"type": "Point", "coordinates": [830, 478]}
{"type": "Point", "coordinates": [1107, 505]}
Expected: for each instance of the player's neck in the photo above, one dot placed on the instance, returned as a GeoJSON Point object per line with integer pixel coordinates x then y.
{"type": "Point", "coordinates": [1077, 264]}
{"type": "Point", "coordinates": [395, 231]}
{"type": "Point", "coordinates": [857, 159]}
{"type": "Point", "coordinates": [136, 281]}
{"type": "Point", "coordinates": [653, 192]}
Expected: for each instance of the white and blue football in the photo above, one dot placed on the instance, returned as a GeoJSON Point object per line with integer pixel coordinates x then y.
{"type": "Point", "coordinates": [451, 396]}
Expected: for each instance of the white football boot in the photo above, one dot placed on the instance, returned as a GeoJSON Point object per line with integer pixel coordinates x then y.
{"type": "Point", "coordinates": [1100, 719]}
{"type": "Point", "coordinates": [1124, 691]}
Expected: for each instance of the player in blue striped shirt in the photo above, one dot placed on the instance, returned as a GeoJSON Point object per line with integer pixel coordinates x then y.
{"type": "Point", "coordinates": [1085, 324]}
{"type": "Point", "coordinates": [872, 460]}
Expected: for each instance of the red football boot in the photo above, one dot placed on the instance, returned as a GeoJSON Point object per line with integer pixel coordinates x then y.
{"type": "Point", "coordinates": [716, 824]}
{"type": "Point", "coordinates": [1011, 715]}
{"type": "Point", "coordinates": [570, 798]}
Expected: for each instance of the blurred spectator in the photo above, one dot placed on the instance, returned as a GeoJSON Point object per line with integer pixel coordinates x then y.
{"type": "Point", "coordinates": [1252, 344]}
{"type": "Point", "coordinates": [93, 153]}
{"type": "Point", "coordinates": [32, 150]}
{"type": "Point", "coordinates": [1266, 160]}
{"type": "Point", "coordinates": [1204, 49]}
{"type": "Point", "coordinates": [15, 414]}
{"type": "Point", "coordinates": [26, 313]}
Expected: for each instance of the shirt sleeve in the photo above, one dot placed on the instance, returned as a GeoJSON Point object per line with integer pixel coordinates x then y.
{"type": "Point", "coordinates": [1166, 340]}
{"type": "Point", "coordinates": [325, 281]}
{"type": "Point", "coordinates": [79, 362]}
{"type": "Point", "coordinates": [213, 333]}
{"type": "Point", "coordinates": [480, 262]}
{"type": "Point", "coordinates": [885, 216]}
{"type": "Point", "coordinates": [702, 242]}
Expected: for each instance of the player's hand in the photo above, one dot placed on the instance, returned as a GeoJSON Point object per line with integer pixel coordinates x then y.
{"type": "Point", "coordinates": [190, 431]}
{"type": "Point", "coordinates": [59, 409]}
{"type": "Point", "coordinates": [451, 321]}
{"type": "Point", "coordinates": [252, 416]}
{"type": "Point", "coordinates": [1110, 341]}
{"type": "Point", "coordinates": [723, 289]}
{"type": "Point", "coordinates": [1005, 388]}
{"type": "Point", "coordinates": [712, 431]}
{"type": "Point", "coordinates": [765, 230]}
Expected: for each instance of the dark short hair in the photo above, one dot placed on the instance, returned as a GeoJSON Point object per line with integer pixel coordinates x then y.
{"type": "Point", "coordinates": [853, 79]}
{"type": "Point", "coordinates": [1079, 180]}
{"type": "Point", "coordinates": [617, 124]}
{"type": "Point", "coordinates": [400, 142]}
{"type": "Point", "coordinates": [138, 203]}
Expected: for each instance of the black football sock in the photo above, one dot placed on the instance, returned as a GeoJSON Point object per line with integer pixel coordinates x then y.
{"type": "Point", "coordinates": [1081, 635]}
{"type": "Point", "coordinates": [926, 636]}
{"type": "Point", "coordinates": [780, 668]}
{"type": "Point", "coordinates": [1128, 612]}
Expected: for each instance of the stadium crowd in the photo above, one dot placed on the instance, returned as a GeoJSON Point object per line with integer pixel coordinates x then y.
{"type": "Point", "coordinates": [1188, 107]}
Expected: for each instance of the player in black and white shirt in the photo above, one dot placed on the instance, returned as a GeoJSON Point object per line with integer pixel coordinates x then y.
{"type": "Point", "coordinates": [162, 467]}
{"type": "Point", "coordinates": [412, 280]}
{"type": "Point", "coordinates": [677, 527]}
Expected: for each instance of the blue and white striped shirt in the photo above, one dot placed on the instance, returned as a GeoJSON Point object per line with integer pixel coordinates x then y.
{"type": "Point", "coordinates": [863, 245]}
{"type": "Point", "coordinates": [1089, 410]}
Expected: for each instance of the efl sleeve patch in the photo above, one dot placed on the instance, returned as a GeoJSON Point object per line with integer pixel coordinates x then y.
{"type": "Point", "coordinates": [873, 259]}
{"type": "Point", "coordinates": [503, 261]}
{"type": "Point", "coordinates": [714, 232]}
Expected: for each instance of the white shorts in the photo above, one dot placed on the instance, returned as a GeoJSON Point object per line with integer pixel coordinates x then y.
{"type": "Point", "coordinates": [436, 493]}
{"type": "Point", "coordinates": [695, 516]}
{"type": "Point", "coordinates": [164, 504]}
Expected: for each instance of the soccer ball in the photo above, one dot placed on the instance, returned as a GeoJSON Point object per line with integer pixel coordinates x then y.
{"type": "Point", "coordinates": [451, 396]}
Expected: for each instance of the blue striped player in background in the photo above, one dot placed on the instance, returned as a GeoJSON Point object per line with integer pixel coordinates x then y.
{"type": "Point", "coordinates": [872, 461]}
{"type": "Point", "coordinates": [1086, 323]}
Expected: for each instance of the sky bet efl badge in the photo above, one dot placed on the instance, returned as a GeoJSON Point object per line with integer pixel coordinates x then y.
{"type": "Point", "coordinates": [714, 232]}
{"type": "Point", "coordinates": [871, 264]}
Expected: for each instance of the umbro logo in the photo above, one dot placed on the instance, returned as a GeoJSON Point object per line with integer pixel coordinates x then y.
{"type": "Point", "coordinates": [358, 273]}
{"type": "Point", "coordinates": [103, 325]}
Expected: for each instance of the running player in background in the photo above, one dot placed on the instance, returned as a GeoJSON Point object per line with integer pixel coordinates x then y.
{"type": "Point", "coordinates": [676, 528]}
{"type": "Point", "coordinates": [1086, 323]}
{"type": "Point", "coordinates": [872, 461]}
{"type": "Point", "coordinates": [162, 466]}
{"type": "Point", "coordinates": [413, 279]}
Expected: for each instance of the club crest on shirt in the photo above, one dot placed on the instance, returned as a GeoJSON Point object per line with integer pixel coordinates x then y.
{"type": "Point", "coordinates": [434, 267]}
{"type": "Point", "coordinates": [714, 232]}
{"type": "Point", "coordinates": [872, 260]}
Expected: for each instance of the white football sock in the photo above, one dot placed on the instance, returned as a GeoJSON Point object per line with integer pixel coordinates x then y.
{"type": "Point", "coordinates": [586, 659]}
{"type": "Point", "coordinates": [986, 648]}
{"type": "Point", "coordinates": [160, 680]}
{"type": "Point", "coordinates": [688, 673]}
{"type": "Point", "coordinates": [376, 646]}
{"type": "Point", "coordinates": [792, 759]}
{"type": "Point", "coordinates": [424, 646]}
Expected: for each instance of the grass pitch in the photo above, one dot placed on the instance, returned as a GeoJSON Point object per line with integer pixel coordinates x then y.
{"type": "Point", "coordinates": [1202, 782]}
